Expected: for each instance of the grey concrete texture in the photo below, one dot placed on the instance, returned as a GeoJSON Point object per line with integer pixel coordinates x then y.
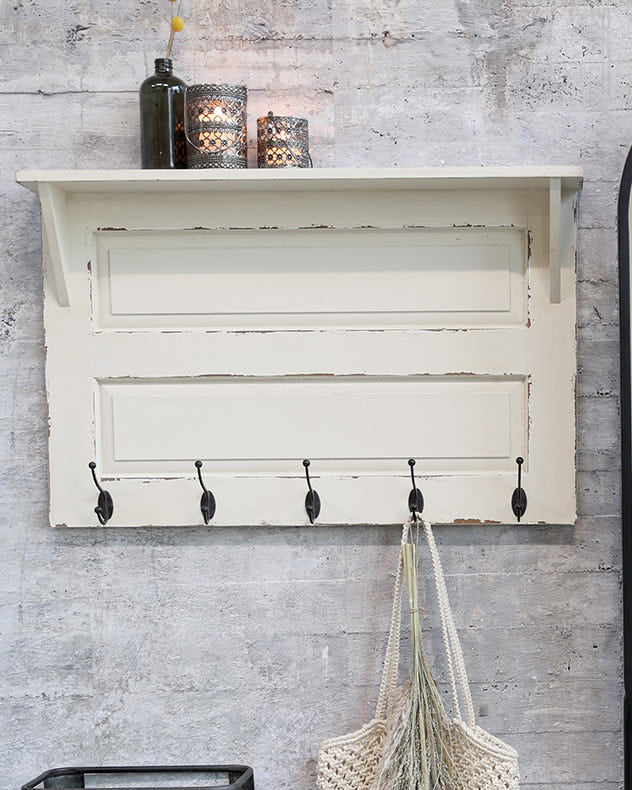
{"type": "Point", "coordinates": [214, 645]}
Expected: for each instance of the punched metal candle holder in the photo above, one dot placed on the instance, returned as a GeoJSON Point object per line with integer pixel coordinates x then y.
{"type": "Point", "coordinates": [215, 126]}
{"type": "Point", "coordinates": [282, 141]}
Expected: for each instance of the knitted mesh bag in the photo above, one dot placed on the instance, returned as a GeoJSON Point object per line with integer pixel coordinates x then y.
{"type": "Point", "coordinates": [480, 761]}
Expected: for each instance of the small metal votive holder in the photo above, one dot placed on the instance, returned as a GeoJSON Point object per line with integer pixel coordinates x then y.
{"type": "Point", "coordinates": [215, 126]}
{"type": "Point", "coordinates": [282, 141]}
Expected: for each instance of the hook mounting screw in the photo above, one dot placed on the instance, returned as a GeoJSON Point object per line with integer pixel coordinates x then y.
{"type": "Point", "coordinates": [207, 501]}
{"type": "Point", "coordinates": [312, 500]}
{"type": "Point", "coordinates": [519, 497]}
{"type": "Point", "coordinates": [105, 505]}
{"type": "Point", "coordinates": [415, 498]}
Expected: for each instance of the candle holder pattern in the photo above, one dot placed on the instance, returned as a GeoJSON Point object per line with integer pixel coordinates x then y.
{"type": "Point", "coordinates": [215, 126]}
{"type": "Point", "coordinates": [282, 141]}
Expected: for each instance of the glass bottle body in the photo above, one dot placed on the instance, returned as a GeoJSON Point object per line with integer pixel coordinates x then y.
{"type": "Point", "coordinates": [162, 140]}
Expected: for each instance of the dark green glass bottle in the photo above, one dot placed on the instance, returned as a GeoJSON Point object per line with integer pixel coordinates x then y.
{"type": "Point", "coordinates": [162, 141]}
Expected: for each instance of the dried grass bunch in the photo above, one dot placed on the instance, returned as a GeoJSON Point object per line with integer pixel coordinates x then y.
{"type": "Point", "coordinates": [418, 754]}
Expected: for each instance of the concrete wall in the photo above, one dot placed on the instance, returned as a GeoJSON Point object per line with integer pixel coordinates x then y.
{"type": "Point", "coordinates": [214, 645]}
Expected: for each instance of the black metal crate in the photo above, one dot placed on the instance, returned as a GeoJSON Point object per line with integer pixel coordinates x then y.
{"type": "Point", "coordinates": [239, 777]}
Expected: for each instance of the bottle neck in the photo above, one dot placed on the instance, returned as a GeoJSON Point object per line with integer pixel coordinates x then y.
{"type": "Point", "coordinates": [163, 66]}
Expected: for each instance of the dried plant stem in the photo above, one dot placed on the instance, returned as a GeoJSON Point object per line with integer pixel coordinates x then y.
{"type": "Point", "coordinates": [172, 35]}
{"type": "Point", "coordinates": [419, 758]}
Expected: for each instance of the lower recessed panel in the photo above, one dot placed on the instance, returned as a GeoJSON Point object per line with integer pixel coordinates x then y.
{"type": "Point", "coordinates": [346, 425]}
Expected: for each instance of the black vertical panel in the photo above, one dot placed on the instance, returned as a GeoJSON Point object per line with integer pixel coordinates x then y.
{"type": "Point", "coordinates": [626, 455]}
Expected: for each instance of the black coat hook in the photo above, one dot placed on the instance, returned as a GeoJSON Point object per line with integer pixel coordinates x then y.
{"type": "Point", "coordinates": [207, 502]}
{"type": "Point", "coordinates": [105, 506]}
{"type": "Point", "coordinates": [415, 498]}
{"type": "Point", "coordinates": [312, 500]}
{"type": "Point", "coordinates": [519, 497]}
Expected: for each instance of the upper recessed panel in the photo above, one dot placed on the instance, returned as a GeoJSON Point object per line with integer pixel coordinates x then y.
{"type": "Point", "coordinates": [280, 279]}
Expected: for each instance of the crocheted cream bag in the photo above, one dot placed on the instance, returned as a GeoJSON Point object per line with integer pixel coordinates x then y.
{"type": "Point", "coordinates": [480, 760]}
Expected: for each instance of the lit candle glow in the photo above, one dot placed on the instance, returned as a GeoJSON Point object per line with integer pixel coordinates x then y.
{"type": "Point", "coordinates": [216, 133]}
{"type": "Point", "coordinates": [282, 141]}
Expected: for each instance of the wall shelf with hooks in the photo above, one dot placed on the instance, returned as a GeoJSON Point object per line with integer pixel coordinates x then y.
{"type": "Point", "coordinates": [353, 317]}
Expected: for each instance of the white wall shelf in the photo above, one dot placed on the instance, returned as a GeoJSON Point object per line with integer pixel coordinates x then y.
{"type": "Point", "coordinates": [91, 181]}
{"type": "Point", "coordinates": [355, 317]}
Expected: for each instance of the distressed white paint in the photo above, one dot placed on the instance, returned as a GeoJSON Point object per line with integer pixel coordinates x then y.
{"type": "Point", "coordinates": [252, 426]}
{"type": "Point", "coordinates": [555, 230]}
{"type": "Point", "coordinates": [321, 178]}
{"type": "Point", "coordinates": [329, 314]}
{"type": "Point", "coordinates": [55, 230]}
{"type": "Point", "coordinates": [272, 279]}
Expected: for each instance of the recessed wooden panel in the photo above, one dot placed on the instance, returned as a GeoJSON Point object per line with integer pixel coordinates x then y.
{"type": "Point", "coordinates": [311, 278]}
{"type": "Point", "coordinates": [348, 424]}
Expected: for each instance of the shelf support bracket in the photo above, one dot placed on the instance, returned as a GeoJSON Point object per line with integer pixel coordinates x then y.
{"type": "Point", "coordinates": [53, 202]}
{"type": "Point", "coordinates": [555, 240]}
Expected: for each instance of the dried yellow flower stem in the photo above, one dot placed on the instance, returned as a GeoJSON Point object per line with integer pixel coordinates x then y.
{"type": "Point", "coordinates": [172, 35]}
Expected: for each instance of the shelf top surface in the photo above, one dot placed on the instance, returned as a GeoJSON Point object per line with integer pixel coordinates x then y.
{"type": "Point", "coordinates": [291, 179]}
